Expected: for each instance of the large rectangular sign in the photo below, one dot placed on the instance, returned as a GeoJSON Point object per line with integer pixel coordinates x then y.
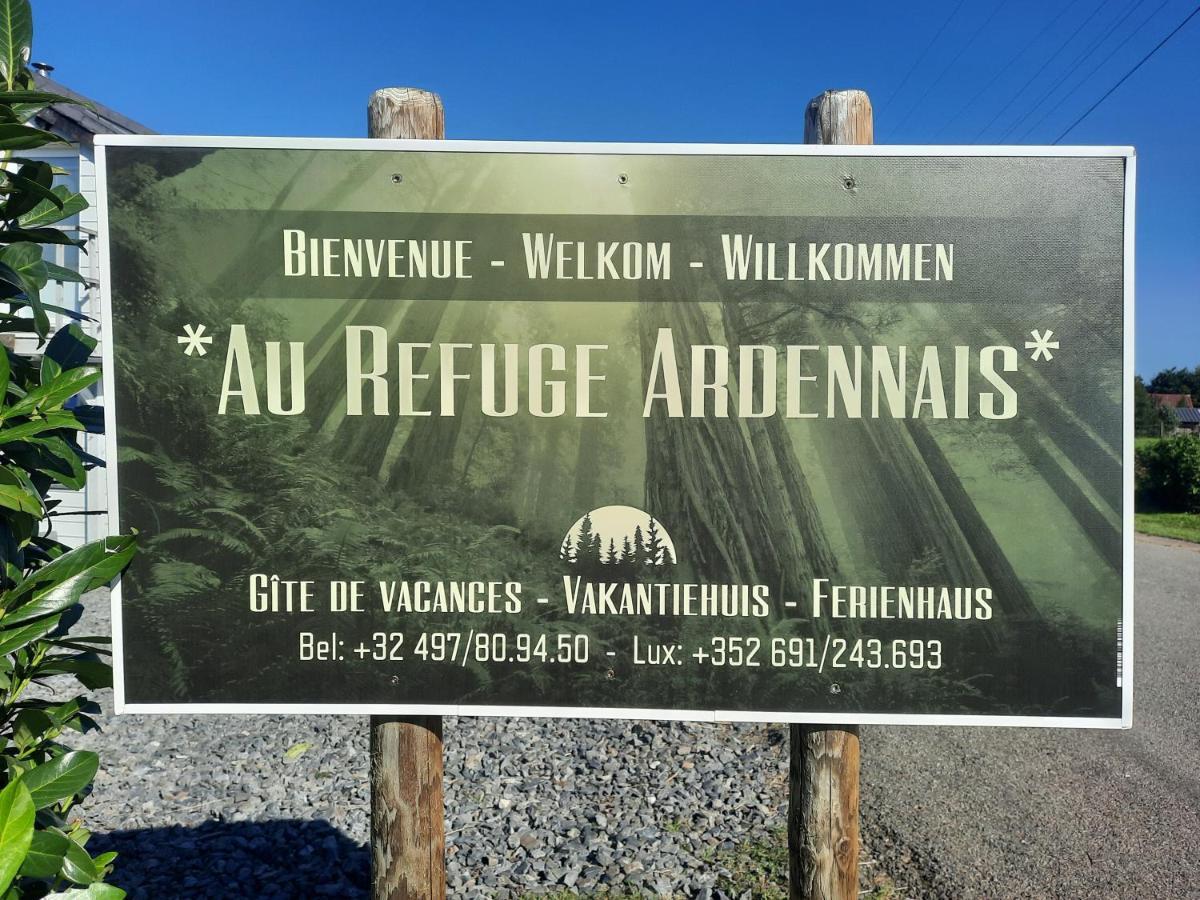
{"type": "Point", "coordinates": [835, 434]}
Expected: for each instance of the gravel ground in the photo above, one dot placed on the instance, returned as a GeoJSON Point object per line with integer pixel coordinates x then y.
{"type": "Point", "coordinates": [277, 807]}
{"type": "Point", "coordinates": [198, 805]}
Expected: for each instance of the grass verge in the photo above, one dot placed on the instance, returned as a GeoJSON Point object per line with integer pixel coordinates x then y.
{"type": "Point", "coordinates": [1181, 526]}
{"type": "Point", "coordinates": [761, 867]}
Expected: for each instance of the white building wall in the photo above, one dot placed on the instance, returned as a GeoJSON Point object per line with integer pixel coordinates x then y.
{"type": "Point", "coordinates": [79, 516]}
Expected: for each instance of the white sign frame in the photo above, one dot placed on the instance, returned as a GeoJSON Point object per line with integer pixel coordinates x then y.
{"type": "Point", "coordinates": [1127, 154]}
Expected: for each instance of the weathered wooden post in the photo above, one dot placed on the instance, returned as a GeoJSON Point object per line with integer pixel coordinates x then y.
{"type": "Point", "coordinates": [408, 831]}
{"type": "Point", "coordinates": [823, 838]}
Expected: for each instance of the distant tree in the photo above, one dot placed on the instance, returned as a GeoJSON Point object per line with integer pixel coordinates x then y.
{"type": "Point", "coordinates": [567, 550]}
{"type": "Point", "coordinates": [613, 556]}
{"type": "Point", "coordinates": [627, 551]}
{"type": "Point", "coordinates": [1148, 419]}
{"type": "Point", "coordinates": [596, 549]}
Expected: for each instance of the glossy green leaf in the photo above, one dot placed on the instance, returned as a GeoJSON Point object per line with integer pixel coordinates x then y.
{"type": "Point", "coordinates": [29, 726]}
{"type": "Point", "coordinates": [16, 829]}
{"type": "Point", "coordinates": [62, 273]}
{"type": "Point", "coordinates": [47, 213]}
{"type": "Point", "coordinates": [52, 422]}
{"type": "Point", "coordinates": [17, 496]}
{"type": "Point", "coordinates": [26, 262]}
{"type": "Point", "coordinates": [46, 852]}
{"type": "Point", "coordinates": [55, 457]}
{"type": "Point", "coordinates": [16, 39]}
{"type": "Point", "coordinates": [78, 865]}
{"type": "Point", "coordinates": [13, 639]}
{"type": "Point", "coordinates": [90, 669]}
{"type": "Point", "coordinates": [58, 779]}
{"type": "Point", "coordinates": [25, 137]}
{"type": "Point", "coordinates": [39, 236]}
{"type": "Point", "coordinates": [69, 577]}
{"type": "Point", "coordinates": [95, 891]}
{"type": "Point", "coordinates": [70, 348]}
{"type": "Point", "coordinates": [49, 397]}
{"type": "Point", "coordinates": [29, 186]}
{"type": "Point", "coordinates": [11, 98]}
{"type": "Point", "coordinates": [11, 283]}
{"type": "Point", "coordinates": [25, 104]}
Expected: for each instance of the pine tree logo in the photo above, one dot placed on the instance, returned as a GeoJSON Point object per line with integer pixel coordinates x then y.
{"type": "Point", "coordinates": [618, 540]}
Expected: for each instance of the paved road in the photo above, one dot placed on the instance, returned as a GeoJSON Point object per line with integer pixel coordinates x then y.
{"type": "Point", "coordinates": [1017, 813]}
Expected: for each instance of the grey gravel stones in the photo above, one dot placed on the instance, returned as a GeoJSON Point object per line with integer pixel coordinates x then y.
{"type": "Point", "coordinates": [277, 807]}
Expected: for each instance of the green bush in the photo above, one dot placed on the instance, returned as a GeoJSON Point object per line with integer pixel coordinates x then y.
{"type": "Point", "coordinates": [1168, 475]}
{"type": "Point", "coordinates": [41, 416]}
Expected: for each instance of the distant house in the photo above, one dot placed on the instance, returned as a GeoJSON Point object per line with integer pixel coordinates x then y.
{"type": "Point", "coordinates": [1173, 401]}
{"type": "Point", "coordinates": [1182, 409]}
{"type": "Point", "coordinates": [1187, 418]}
{"type": "Point", "coordinates": [80, 516]}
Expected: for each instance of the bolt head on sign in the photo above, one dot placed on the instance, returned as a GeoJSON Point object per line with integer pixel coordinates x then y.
{"type": "Point", "coordinates": [725, 433]}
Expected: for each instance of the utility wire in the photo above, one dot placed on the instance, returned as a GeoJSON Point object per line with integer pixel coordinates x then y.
{"type": "Point", "coordinates": [1126, 76]}
{"type": "Point", "coordinates": [921, 56]}
{"type": "Point", "coordinates": [1042, 68]}
{"type": "Point", "coordinates": [1006, 65]}
{"type": "Point", "coordinates": [963, 49]}
{"type": "Point", "coordinates": [1096, 68]}
{"type": "Point", "coordinates": [1071, 69]}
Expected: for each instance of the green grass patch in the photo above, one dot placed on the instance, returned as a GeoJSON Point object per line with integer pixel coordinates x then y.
{"type": "Point", "coordinates": [1145, 443]}
{"type": "Point", "coordinates": [1181, 526]}
{"type": "Point", "coordinates": [760, 867]}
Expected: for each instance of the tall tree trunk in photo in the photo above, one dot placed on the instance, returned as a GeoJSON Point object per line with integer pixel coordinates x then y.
{"type": "Point", "coordinates": [1103, 531]}
{"type": "Point", "coordinates": [365, 440]}
{"type": "Point", "coordinates": [549, 499]}
{"type": "Point", "coordinates": [705, 483]}
{"type": "Point", "coordinates": [788, 485]}
{"type": "Point", "coordinates": [912, 511]}
{"type": "Point", "coordinates": [328, 375]}
{"type": "Point", "coordinates": [429, 450]}
{"type": "Point", "coordinates": [588, 463]}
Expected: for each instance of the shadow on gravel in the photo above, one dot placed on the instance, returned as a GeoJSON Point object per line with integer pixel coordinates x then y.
{"type": "Point", "coordinates": [287, 858]}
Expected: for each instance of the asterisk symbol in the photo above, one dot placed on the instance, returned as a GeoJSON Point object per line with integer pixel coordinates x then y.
{"type": "Point", "coordinates": [195, 338]}
{"type": "Point", "coordinates": [1041, 345]}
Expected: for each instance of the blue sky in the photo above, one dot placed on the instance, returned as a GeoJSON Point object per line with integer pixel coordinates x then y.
{"type": "Point", "coordinates": [1001, 71]}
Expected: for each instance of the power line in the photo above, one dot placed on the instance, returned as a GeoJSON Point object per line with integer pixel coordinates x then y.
{"type": "Point", "coordinates": [1125, 77]}
{"type": "Point", "coordinates": [922, 54]}
{"type": "Point", "coordinates": [1096, 68]}
{"type": "Point", "coordinates": [963, 49]}
{"type": "Point", "coordinates": [1042, 68]}
{"type": "Point", "coordinates": [1005, 66]}
{"type": "Point", "coordinates": [1072, 67]}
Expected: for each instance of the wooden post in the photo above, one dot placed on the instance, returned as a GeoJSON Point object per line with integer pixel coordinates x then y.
{"type": "Point", "coordinates": [839, 117]}
{"type": "Point", "coordinates": [823, 838]}
{"type": "Point", "coordinates": [408, 829]}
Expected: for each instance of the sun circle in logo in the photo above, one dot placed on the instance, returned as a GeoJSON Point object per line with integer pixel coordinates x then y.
{"type": "Point", "coordinates": [621, 536]}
